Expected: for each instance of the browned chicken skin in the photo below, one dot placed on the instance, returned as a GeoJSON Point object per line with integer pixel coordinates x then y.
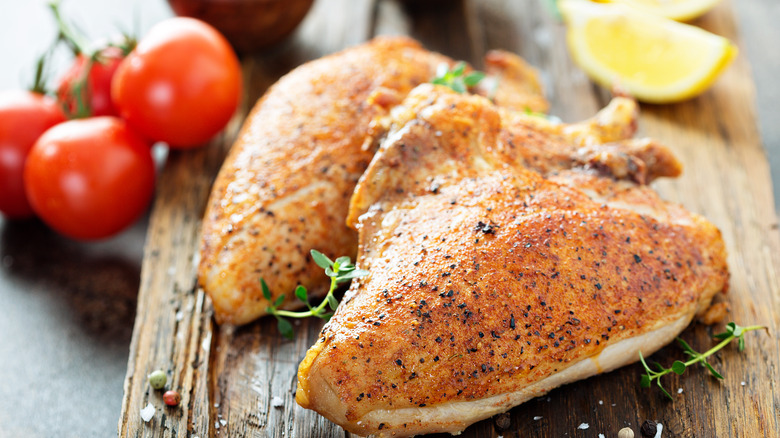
{"type": "Point", "coordinates": [285, 187]}
{"type": "Point", "coordinates": [507, 256]}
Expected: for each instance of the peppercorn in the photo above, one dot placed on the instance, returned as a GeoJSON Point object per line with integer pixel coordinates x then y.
{"type": "Point", "coordinates": [503, 421]}
{"type": "Point", "coordinates": [157, 379]}
{"type": "Point", "coordinates": [649, 428]}
{"type": "Point", "coordinates": [626, 432]}
{"type": "Point", "coordinates": [172, 398]}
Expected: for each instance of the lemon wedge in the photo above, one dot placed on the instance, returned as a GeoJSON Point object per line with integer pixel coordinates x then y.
{"type": "Point", "coordinates": [655, 59]}
{"type": "Point", "coordinates": [680, 10]}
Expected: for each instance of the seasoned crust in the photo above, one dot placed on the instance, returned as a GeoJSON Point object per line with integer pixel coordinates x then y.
{"type": "Point", "coordinates": [489, 276]}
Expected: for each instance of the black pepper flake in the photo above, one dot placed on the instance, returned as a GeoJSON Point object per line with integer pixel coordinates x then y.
{"type": "Point", "coordinates": [398, 362]}
{"type": "Point", "coordinates": [486, 228]}
{"type": "Point", "coordinates": [381, 426]}
{"type": "Point", "coordinates": [360, 397]}
{"type": "Point", "coordinates": [438, 339]}
{"type": "Point", "coordinates": [436, 359]}
{"type": "Point", "coordinates": [481, 335]}
{"type": "Point", "coordinates": [484, 367]}
{"type": "Point", "coordinates": [512, 322]}
{"type": "Point", "coordinates": [637, 258]}
{"type": "Point", "coordinates": [598, 286]}
{"type": "Point", "coordinates": [422, 360]}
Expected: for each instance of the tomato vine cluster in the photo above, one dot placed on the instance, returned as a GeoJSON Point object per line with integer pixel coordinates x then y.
{"type": "Point", "coordinates": [82, 160]}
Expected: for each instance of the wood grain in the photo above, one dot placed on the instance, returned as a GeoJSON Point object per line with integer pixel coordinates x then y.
{"type": "Point", "coordinates": [240, 382]}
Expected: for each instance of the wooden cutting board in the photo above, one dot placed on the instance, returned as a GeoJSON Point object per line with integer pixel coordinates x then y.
{"type": "Point", "coordinates": [241, 382]}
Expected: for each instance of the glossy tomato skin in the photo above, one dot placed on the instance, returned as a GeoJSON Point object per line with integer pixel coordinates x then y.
{"type": "Point", "coordinates": [90, 178]}
{"type": "Point", "coordinates": [97, 93]}
{"type": "Point", "coordinates": [180, 85]}
{"type": "Point", "coordinates": [24, 116]}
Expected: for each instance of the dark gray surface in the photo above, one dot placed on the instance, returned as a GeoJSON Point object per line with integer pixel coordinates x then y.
{"type": "Point", "coordinates": [67, 307]}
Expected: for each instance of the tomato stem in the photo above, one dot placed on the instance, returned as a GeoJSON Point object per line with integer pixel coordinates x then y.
{"type": "Point", "coordinates": [76, 41]}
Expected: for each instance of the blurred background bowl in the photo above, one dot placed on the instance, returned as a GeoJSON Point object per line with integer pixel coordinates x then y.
{"type": "Point", "coordinates": [249, 25]}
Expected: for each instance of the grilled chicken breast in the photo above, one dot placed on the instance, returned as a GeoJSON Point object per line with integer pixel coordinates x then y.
{"type": "Point", "coordinates": [507, 256]}
{"type": "Point", "coordinates": [284, 189]}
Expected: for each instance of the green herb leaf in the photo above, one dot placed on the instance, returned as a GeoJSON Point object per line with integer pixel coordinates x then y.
{"type": "Point", "coordinates": [279, 301]}
{"type": "Point", "coordinates": [332, 302]}
{"type": "Point", "coordinates": [266, 291]}
{"type": "Point", "coordinates": [663, 389]}
{"type": "Point", "coordinates": [684, 345]}
{"type": "Point", "coordinates": [321, 259]}
{"type": "Point", "coordinates": [343, 261]}
{"type": "Point", "coordinates": [712, 370]}
{"type": "Point", "coordinates": [473, 78]}
{"type": "Point", "coordinates": [645, 382]}
{"type": "Point", "coordinates": [285, 328]}
{"type": "Point", "coordinates": [301, 294]}
{"type": "Point", "coordinates": [678, 367]}
{"type": "Point", "coordinates": [357, 273]}
{"type": "Point", "coordinates": [457, 79]}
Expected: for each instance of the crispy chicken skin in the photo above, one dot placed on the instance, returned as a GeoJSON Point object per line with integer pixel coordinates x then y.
{"type": "Point", "coordinates": [507, 256]}
{"type": "Point", "coordinates": [284, 189]}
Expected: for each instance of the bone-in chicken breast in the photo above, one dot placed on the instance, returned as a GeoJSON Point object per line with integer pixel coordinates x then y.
{"type": "Point", "coordinates": [507, 256]}
{"type": "Point", "coordinates": [285, 187]}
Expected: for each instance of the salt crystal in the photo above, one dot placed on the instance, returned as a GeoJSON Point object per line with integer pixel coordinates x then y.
{"type": "Point", "coordinates": [601, 435]}
{"type": "Point", "coordinates": [171, 270]}
{"type": "Point", "coordinates": [614, 404]}
{"type": "Point", "coordinates": [147, 413]}
{"type": "Point", "coordinates": [742, 383]}
{"type": "Point", "coordinates": [601, 402]}
{"type": "Point", "coordinates": [179, 315]}
{"type": "Point", "coordinates": [277, 402]}
{"type": "Point", "coordinates": [583, 426]}
{"type": "Point", "coordinates": [216, 425]}
{"type": "Point", "coordinates": [679, 390]}
{"type": "Point", "coordinates": [660, 428]}
{"type": "Point", "coordinates": [537, 418]}
{"type": "Point", "coordinates": [222, 422]}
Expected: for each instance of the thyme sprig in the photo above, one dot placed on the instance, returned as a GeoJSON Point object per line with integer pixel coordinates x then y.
{"type": "Point", "coordinates": [457, 78]}
{"type": "Point", "coordinates": [733, 331]}
{"type": "Point", "coordinates": [339, 271]}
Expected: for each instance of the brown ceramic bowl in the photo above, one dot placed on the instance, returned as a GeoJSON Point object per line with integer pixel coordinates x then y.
{"type": "Point", "coordinates": [249, 25]}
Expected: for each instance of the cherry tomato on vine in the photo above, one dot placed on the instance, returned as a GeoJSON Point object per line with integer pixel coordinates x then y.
{"type": "Point", "coordinates": [24, 116]}
{"type": "Point", "coordinates": [180, 85]}
{"type": "Point", "coordinates": [85, 89]}
{"type": "Point", "coordinates": [89, 178]}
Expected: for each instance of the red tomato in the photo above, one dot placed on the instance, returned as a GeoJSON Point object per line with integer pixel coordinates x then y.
{"type": "Point", "coordinates": [89, 178]}
{"type": "Point", "coordinates": [95, 92]}
{"type": "Point", "coordinates": [180, 85]}
{"type": "Point", "coordinates": [24, 116]}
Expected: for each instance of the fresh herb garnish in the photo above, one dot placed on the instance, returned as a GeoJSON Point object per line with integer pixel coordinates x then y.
{"type": "Point", "coordinates": [457, 79]}
{"type": "Point", "coordinates": [340, 271]}
{"type": "Point", "coordinates": [733, 331]}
